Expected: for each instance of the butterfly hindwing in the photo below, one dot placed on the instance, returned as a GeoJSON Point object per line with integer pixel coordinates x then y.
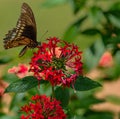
{"type": "Point", "coordinates": [16, 42]}
{"type": "Point", "coordinates": [25, 31]}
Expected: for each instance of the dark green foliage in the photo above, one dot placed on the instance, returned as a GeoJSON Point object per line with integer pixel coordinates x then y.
{"type": "Point", "coordinates": [78, 5]}
{"type": "Point", "coordinates": [114, 99]}
{"type": "Point", "coordinates": [62, 94]}
{"type": "Point", "coordinates": [84, 83]}
{"type": "Point", "coordinates": [98, 115]}
{"type": "Point", "coordinates": [5, 60]}
{"type": "Point", "coordinates": [73, 30]}
{"type": "Point", "coordinates": [23, 85]}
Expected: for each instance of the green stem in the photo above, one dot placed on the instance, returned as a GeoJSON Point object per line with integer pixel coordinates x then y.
{"type": "Point", "coordinates": [53, 92]}
{"type": "Point", "coordinates": [37, 90]}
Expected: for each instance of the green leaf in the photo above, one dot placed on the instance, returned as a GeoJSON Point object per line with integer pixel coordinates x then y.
{"type": "Point", "coordinates": [89, 101]}
{"type": "Point", "coordinates": [114, 99]}
{"type": "Point", "coordinates": [115, 20]}
{"type": "Point", "coordinates": [62, 94]}
{"type": "Point", "coordinates": [70, 34]}
{"type": "Point", "coordinates": [85, 83]}
{"type": "Point", "coordinates": [5, 60]}
{"type": "Point", "coordinates": [96, 15]}
{"type": "Point", "coordinates": [115, 6]}
{"type": "Point", "coordinates": [84, 102]}
{"type": "Point", "coordinates": [73, 30]}
{"type": "Point", "coordinates": [98, 115]}
{"type": "Point", "coordinates": [90, 31]}
{"type": "Point", "coordinates": [52, 3]}
{"type": "Point", "coordinates": [9, 117]}
{"type": "Point", "coordinates": [10, 77]}
{"type": "Point", "coordinates": [78, 5]}
{"type": "Point", "coordinates": [23, 85]}
{"type": "Point", "coordinates": [116, 68]}
{"type": "Point", "coordinates": [2, 114]}
{"type": "Point", "coordinates": [79, 22]}
{"type": "Point", "coordinates": [92, 55]}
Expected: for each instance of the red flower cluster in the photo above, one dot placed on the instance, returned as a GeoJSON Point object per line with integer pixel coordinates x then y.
{"type": "Point", "coordinates": [57, 61]}
{"type": "Point", "coordinates": [20, 71]}
{"type": "Point", "coordinates": [43, 107]}
{"type": "Point", "coordinates": [106, 60]}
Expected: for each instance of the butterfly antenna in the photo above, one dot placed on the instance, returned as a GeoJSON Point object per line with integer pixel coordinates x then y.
{"type": "Point", "coordinates": [44, 34]}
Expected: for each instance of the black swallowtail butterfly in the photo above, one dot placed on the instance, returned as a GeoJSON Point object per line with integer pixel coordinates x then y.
{"type": "Point", "coordinates": [25, 32]}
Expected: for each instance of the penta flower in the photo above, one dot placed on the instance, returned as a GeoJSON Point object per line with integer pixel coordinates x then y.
{"type": "Point", "coordinates": [106, 60]}
{"type": "Point", "coordinates": [43, 107]}
{"type": "Point", "coordinates": [20, 71]}
{"type": "Point", "coordinates": [57, 61]}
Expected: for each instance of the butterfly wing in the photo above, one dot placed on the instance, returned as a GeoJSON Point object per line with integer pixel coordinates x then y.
{"type": "Point", "coordinates": [27, 18]}
{"type": "Point", "coordinates": [25, 31]}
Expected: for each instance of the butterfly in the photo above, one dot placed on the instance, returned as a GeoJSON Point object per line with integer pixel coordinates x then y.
{"type": "Point", "coordinates": [25, 32]}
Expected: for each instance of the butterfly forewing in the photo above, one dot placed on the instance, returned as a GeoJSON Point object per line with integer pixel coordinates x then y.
{"type": "Point", "coordinates": [27, 21]}
{"type": "Point", "coordinates": [25, 31]}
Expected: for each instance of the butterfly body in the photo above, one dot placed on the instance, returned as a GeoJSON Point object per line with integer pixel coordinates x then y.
{"type": "Point", "coordinates": [25, 32]}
